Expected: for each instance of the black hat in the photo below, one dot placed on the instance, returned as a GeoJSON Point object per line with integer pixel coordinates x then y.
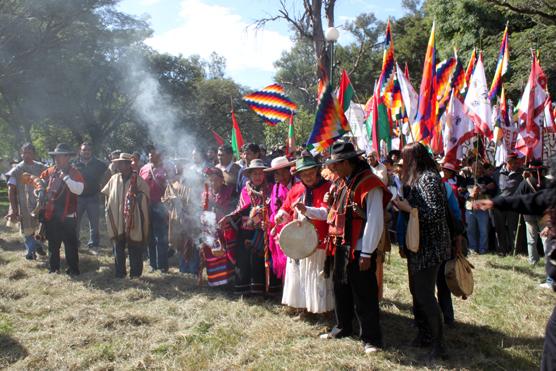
{"type": "Point", "coordinates": [62, 149]}
{"type": "Point", "coordinates": [341, 151]}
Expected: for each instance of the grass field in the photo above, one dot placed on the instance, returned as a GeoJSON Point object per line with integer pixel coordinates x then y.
{"type": "Point", "coordinates": [94, 321]}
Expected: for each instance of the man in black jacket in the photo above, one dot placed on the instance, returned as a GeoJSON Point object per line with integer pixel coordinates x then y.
{"type": "Point", "coordinates": [95, 174]}
{"type": "Point", "coordinates": [508, 179]}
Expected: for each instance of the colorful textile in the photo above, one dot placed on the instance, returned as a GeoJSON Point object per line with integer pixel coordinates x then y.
{"type": "Point", "coordinates": [330, 123]}
{"type": "Point", "coordinates": [501, 65]}
{"type": "Point", "coordinates": [470, 67]}
{"type": "Point", "coordinates": [271, 104]}
{"type": "Point", "coordinates": [386, 79]}
{"type": "Point", "coordinates": [277, 198]}
{"type": "Point", "coordinates": [426, 107]}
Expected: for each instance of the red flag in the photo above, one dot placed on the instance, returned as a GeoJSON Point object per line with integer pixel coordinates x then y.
{"type": "Point", "coordinates": [217, 138]}
{"type": "Point", "coordinates": [531, 111]}
{"type": "Point", "coordinates": [345, 92]}
{"type": "Point", "coordinates": [406, 72]}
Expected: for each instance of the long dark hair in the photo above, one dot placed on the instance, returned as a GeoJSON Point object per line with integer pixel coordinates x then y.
{"type": "Point", "coordinates": [416, 160]}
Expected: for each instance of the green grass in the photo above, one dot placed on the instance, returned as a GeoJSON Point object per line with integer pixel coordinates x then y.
{"type": "Point", "coordinates": [52, 322]}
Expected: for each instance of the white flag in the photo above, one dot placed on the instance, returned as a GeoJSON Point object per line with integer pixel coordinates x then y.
{"type": "Point", "coordinates": [477, 105]}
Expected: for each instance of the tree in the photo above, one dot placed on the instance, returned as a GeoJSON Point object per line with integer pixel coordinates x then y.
{"type": "Point", "coordinates": [59, 60]}
{"type": "Point", "coordinates": [467, 24]}
{"type": "Point", "coordinates": [308, 24]}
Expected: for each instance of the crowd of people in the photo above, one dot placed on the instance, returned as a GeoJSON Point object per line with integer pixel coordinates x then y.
{"type": "Point", "coordinates": [228, 216]}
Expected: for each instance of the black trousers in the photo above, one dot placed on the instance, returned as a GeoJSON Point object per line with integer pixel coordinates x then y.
{"type": "Point", "coordinates": [135, 259]}
{"type": "Point", "coordinates": [359, 296]}
{"type": "Point", "coordinates": [58, 231]}
{"type": "Point", "coordinates": [422, 284]}
{"type": "Point", "coordinates": [444, 296]}
{"type": "Point", "coordinates": [250, 270]}
{"type": "Point", "coordinates": [505, 224]}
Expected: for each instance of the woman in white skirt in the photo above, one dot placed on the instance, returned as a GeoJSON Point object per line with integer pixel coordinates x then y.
{"type": "Point", "coordinates": [305, 286]}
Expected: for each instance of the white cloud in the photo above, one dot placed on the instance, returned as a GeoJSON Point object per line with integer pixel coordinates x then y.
{"type": "Point", "coordinates": [206, 28]}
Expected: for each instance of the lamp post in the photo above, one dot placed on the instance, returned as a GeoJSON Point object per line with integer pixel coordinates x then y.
{"type": "Point", "coordinates": [331, 35]}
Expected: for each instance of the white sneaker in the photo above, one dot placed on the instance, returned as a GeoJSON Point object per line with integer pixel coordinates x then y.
{"type": "Point", "coordinates": [545, 285]}
{"type": "Point", "coordinates": [369, 348]}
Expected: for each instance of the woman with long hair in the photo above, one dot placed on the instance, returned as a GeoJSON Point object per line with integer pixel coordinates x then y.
{"type": "Point", "coordinates": [424, 190]}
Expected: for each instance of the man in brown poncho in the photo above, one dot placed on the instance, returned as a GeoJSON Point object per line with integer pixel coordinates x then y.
{"type": "Point", "coordinates": [127, 216]}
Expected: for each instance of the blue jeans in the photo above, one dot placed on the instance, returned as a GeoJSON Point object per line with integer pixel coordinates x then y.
{"type": "Point", "coordinates": [158, 246]}
{"type": "Point", "coordinates": [477, 230]}
{"type": "Point", "coordinates": [30, 244]}
{"type": "Point", "coordinates": [190, 265]}
{"type": "Point", "coordinates": [89, 205]}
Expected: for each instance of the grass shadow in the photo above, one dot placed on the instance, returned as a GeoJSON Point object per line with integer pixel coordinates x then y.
{"type": "Point", "coordinates": [528, 271]}
{"type": "Point", "coordinates": [490, 349]}
{"type": "Point", "coordinates": [11, 351]}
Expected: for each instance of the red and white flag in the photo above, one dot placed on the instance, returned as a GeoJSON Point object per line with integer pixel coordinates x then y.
{"type": "Point", "coordinates": [531, 110]}
{"type": "Point", "coordinates": [457, 129]}
{"type": "Point", "coordinates": [477, 105]}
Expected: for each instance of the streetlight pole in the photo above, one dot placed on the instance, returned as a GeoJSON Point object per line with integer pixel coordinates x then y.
{"type": "Point", "coordinates": [331, 35]}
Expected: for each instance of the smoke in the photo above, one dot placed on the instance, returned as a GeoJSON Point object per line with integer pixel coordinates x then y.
{"type": "Point", "coordinates": [168, 133]}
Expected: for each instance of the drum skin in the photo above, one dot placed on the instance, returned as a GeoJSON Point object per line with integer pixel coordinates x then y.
{"type": "Point", "coordinates": [298, 239]}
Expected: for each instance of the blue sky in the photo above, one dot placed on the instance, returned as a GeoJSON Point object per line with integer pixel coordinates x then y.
{"type": "Point", "coordinates": [200, 27]}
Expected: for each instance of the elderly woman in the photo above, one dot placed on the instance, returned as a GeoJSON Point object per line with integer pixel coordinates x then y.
{"type": "Point", "coordinates": [305, 287]}
{"type": "Point", "coordinates": [426, 193]}
{"type": "Point", "coordinates": [251, 246]}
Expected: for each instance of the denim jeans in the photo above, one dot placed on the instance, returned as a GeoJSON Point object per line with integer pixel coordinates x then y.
{"type": "Point", "coordinates": [158, 246]}
{"type": "Point", "coordinates": [89, 205]}
{"type": "Point", "coordinates": [477, 230]}
{"type": "Point", "coordinates": [30, 244]}
{"type": "Point", "coordinates": [533, 233]}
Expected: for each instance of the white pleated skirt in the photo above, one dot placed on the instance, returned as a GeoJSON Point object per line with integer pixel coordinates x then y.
{"type": "Point", "coordinates": [305, 285]}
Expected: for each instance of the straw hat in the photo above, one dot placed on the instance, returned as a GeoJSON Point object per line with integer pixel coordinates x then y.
{"type": "Point", "coordinates": [123, 157]}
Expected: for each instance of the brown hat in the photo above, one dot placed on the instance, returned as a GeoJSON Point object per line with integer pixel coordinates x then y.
{"type": "Point", "coordinates": [255, 164]}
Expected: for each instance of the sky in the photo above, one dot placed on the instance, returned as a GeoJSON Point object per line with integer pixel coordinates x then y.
{"type": "Point", "coordinates": [190, 27]}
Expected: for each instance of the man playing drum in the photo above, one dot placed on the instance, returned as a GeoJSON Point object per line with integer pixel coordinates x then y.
{"type": "Point", "coordinates": [356, 220]}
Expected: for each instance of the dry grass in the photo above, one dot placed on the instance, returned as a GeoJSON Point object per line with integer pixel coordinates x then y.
{"type": "Point", "coordinates": [95, 321]}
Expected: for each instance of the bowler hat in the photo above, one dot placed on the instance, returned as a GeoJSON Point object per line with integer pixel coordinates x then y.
{"type": "Point", "coordinates": [341, 151]}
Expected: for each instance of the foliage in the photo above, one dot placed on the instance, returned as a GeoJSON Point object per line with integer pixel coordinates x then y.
{"type": "Point", "coordinates": [303, 124]}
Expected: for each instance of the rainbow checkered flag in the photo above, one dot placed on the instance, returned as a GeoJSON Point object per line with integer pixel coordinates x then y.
{"type": "Point", "coordinates": [330, 123]}
{"type": "Point", "coordinates": [271, 104]}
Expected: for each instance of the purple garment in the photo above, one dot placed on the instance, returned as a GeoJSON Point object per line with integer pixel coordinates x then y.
{"type": "Point", "coordinates": [277, 198]}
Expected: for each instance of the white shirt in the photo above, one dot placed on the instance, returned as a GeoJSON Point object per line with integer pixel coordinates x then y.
{"type": "Point", "coordinates": [381, 172]}
{"type": "Point", "coordinates": [374, 226]}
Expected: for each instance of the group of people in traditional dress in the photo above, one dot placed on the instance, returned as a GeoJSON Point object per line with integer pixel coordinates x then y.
{"type": "Point", "coordinates": [227, 217]}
